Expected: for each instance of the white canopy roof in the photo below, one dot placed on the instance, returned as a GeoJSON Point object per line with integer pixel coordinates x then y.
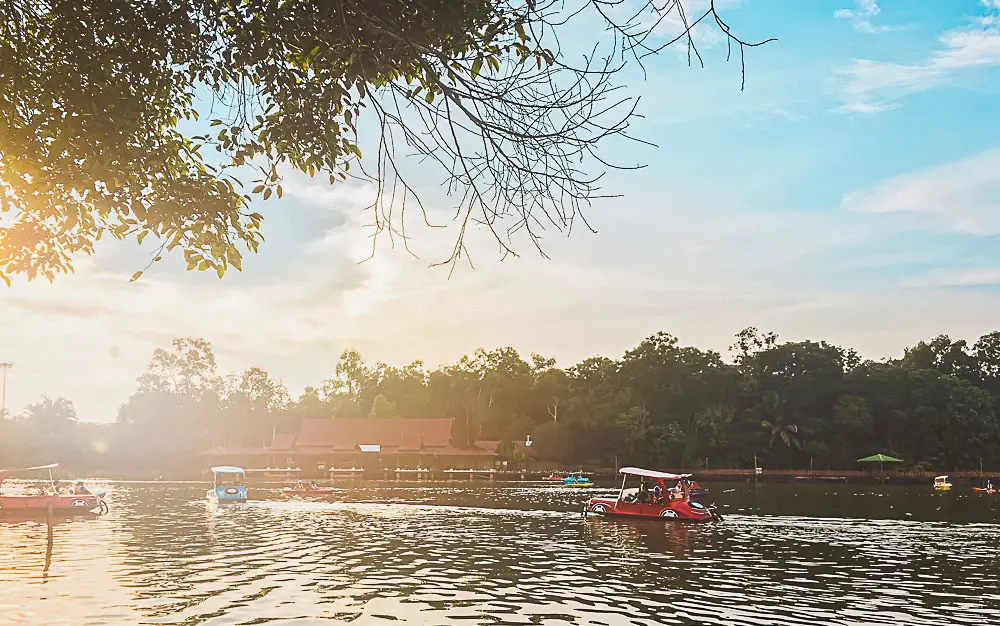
{"type": "Point", "coordinates": [227, 469]}
{"type": "Point", "coordinates": [29, 469]}
{"type": "Point", "coordinates": [638, 471]}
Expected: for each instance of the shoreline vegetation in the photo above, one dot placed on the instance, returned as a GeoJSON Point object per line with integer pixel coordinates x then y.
{"type": "Point", "coordinates": [786, 405]}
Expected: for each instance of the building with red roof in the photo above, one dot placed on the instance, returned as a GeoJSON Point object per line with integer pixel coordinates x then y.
{"type": "Point", "coordinates": [366, 443]}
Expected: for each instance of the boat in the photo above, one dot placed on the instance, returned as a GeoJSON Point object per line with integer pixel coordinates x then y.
{"type": "Point", "coordinates": [228, 484]}
{"type": "Point", "coordinates": [659, 495]}
{"type": "Point", "coordinates": [941, 483]}
{"type": "Point", "coordinates": [554, 477]}
{"type": "Point", "coordinates": [697, 492]}
{"type": "Point", "coordinates": [577, 479]}
{"type": "Point", "coordinates": [986, 488]}
{"type": "Point", "coordinates": [307, 488]}
{"type": "Point", "coordinates": [45, 498]}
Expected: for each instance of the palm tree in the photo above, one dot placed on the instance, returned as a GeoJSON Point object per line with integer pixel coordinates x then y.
{"type": "Point", "coordinates": [787, 432]}
{"type": "Point", "coordinates": [777, 424]}
{"type": "Point", "coordinates": [51, 413]}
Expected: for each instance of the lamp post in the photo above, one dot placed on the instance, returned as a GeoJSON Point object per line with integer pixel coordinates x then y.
{"type": "Point", "coordinates": [5, 365]}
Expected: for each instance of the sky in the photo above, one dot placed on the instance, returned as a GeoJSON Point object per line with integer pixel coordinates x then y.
{"type": "Point", "coordinates": [848, 194]}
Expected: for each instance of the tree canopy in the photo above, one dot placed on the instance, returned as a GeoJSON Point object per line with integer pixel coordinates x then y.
{"type": "Point", "coordinates": [662, 404]}
{"type": "Point", "coordinates": [162, 119]}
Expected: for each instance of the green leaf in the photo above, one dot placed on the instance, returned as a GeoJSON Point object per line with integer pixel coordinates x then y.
{"type": "Point", "coordinates": [258, 189]}
{"type": "Point", "coordinates": [135, 276]}
{"type": "Point", "coordinates": [476, 66]}
{"type": "Point", "coordinates": [267, 193]}
{"type": "Point", "coordinates": [279, 191]}
{"type": "Point", "coordinates": [142, 236]}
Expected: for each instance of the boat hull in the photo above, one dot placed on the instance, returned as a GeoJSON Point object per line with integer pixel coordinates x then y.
{"type": "Point", "coordinates": [674, 510]}
{"type": "Point", "coordinates": [62, 504]}
{"type": "Point", "coordinates": [227, 495]}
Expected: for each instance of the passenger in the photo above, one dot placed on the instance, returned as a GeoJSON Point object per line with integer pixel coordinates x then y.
{"type": "Point", "coordinates": [80, 489]}
{"type": "Point", "coordinates": [644, 493]}
{"type": "Point", "coordinates": [657, 494]}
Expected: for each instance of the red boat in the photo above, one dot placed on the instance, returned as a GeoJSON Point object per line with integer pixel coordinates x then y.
{"type": "Point", "coordinates": [554, 478]}
{"type": "Point", "coordinates": [659, 494]}
{"type": "Point", "coordinates": [309, 488]}
{"type": "Point", "coordinates": [41, 498]}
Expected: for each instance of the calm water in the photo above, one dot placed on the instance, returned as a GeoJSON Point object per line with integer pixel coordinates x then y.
{"type": "Point", "coordinates": [472, 554]}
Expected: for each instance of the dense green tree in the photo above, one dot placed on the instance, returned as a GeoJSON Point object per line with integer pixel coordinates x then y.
{"type": "Point", "coordinates": [383, 408]}
{"type": "Point", "coordinates": [662, 404]}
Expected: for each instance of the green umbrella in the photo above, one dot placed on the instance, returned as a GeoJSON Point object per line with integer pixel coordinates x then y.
{"type": "Point", "coordinates": [880, 459]}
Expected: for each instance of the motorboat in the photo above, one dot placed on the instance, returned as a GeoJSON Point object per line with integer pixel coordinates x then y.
{"type": "Point", "coordinates": [228, 484]}
{"type": "Point", "coordinates": [658, 495]}
{"type": "Point", "coordinates": [577, 479]}
{"type": "Point", "coordinates": [307, 488]}
{"type": "Point", "coordinates": [941, 483]}
{"type": "Point", "coordinates": [42, 498]}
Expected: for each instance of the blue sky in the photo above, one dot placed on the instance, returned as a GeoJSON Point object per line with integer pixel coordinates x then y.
{"type": "Point", "coordinates": [850, 193]}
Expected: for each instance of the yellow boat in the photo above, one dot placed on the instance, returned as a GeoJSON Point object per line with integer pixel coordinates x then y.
{"type": "Point", "coordinates": [941, 483]}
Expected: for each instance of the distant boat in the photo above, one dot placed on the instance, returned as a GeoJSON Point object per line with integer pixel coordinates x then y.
{"type": "Point", "coordinates": [228, 484]}
{"type": "Point", "coordinates": [577, 479]}
{"type": "Point", "coordinates": [308, 489]}
{"type": "Point", "coordinates": [941, 483]}
{"type": "Point", "coordinates": [49, 496]}
{"type": "Point", "coordinates": [988, 488]}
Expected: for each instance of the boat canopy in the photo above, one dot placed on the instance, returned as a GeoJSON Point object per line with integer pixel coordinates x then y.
{"type": "Point", "coordinates": [29, 469]}
{"type": "Point", "coordinates": [227, 469]}
{"type": "Point", "coordinates": [938, 478]}
{"type": "Point", "coordinates": [638, 471]}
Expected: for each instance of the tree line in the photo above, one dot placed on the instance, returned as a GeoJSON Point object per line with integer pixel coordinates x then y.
{"type": "Point", "coordinates": [662, 404]}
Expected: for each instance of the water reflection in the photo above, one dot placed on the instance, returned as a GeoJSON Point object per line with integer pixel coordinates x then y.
{"type": "Point", "coordinates": [502, 555]}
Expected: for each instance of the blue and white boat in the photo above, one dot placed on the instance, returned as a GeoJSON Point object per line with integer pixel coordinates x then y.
{"type": "Point", "coordinates": [577, 479]}
{"type": "Point", "coordinates": [228, 484]}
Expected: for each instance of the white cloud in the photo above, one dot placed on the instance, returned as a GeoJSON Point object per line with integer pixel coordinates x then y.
{"type": "Point", "coordinates": [868, 86]}
{"type": "Point", "coordinates": [962, 196]}
{"type": "Point", "coordinates": [862, 17]}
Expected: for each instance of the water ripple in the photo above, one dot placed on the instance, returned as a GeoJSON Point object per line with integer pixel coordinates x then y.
{"type": "Point", "coordinates": [486, 555]}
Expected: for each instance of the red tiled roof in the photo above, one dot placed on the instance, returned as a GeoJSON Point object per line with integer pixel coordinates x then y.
{"type": "Point", "coordinates": [400, 432]}
{"type": "Point", "coordinates": [394, 436]}
{"type": "Point", "coordinates": [452, 451]}
{"type": "Point", "coordinates": [411, 442]}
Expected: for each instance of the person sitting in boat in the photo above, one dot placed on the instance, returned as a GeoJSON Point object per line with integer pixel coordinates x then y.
{"type": "Point", "coordinates": [657, 494]}
{"type": "Point", "coordinates": [677, 491]}
{"type": "Point", "coordinates": [644, 496]}
{"type": "Point", "coordinates": [80, 489]}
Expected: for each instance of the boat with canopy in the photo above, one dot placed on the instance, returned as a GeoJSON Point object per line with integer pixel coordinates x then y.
{"type": "Point", "coordinates": [228, 484]}
{"type": "Point", "coordinates": [42, 497]}
{"type": "Point", "coordinates": [656, 495]}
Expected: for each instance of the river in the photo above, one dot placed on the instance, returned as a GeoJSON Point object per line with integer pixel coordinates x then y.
{"type": "Point", "coordinates": [473, 553]}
